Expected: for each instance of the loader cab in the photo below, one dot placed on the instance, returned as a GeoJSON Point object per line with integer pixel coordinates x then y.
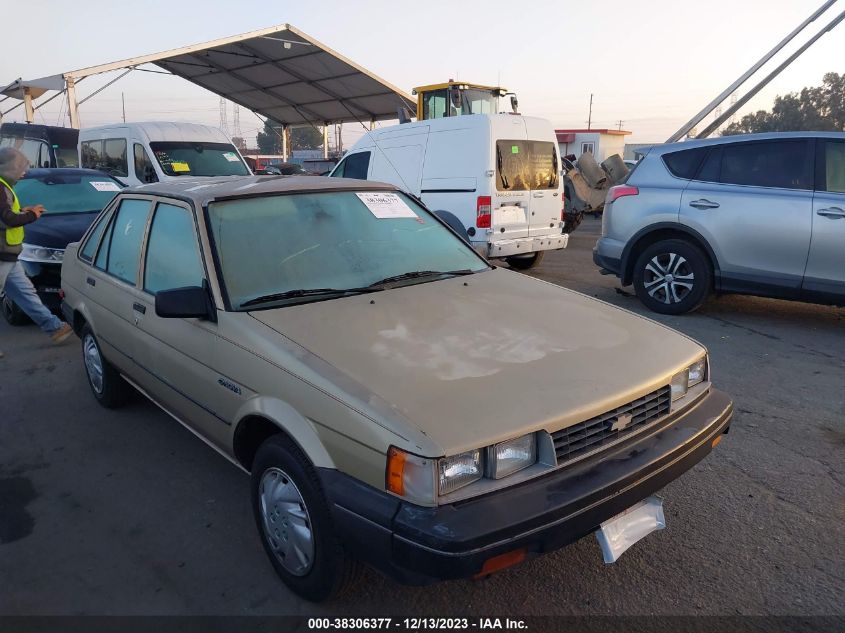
{"type": "Point", "coordinates": [455, 98]}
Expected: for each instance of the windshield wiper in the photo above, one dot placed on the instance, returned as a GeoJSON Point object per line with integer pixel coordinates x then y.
{"type": "Point", "coordinates": [417, 274]}
{"type": "Point", "coordinates": [307, 292]}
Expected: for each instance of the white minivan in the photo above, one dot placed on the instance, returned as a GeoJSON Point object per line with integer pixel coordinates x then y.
{"type": "Point", "coordinates": [498, 173]}
{"type": "Point", "coordinates": [139, 153]}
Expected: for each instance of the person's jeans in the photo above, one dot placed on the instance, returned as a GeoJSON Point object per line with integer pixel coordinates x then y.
{"type": "Point", "coordinates": [20, 290]}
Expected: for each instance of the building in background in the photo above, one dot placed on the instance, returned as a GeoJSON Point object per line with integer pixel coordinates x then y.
{"type": "Point", "coordinates": [601, 143]}
{"type": "Point", "coordinates": [635, 151]}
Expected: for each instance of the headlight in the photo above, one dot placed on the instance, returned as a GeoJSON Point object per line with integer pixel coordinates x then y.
{"type": "Point", "coordinates": [41, 254]}
{"type": "Point", "coordinates": [691, 376]}
{"type": "Point", "coordinates": [506, 458]}
{"type": "Point", "coordinates": [458, 471]}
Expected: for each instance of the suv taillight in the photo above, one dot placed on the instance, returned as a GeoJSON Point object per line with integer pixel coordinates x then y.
{"type": "Point", "coordinates": [620, 191]}
{"type": "Point", "coordinates": [483, 209]}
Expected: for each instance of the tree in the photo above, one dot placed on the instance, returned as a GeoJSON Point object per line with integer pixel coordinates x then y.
{"type": "Point", "coordinates": [821, 108]}
{"type": "Point", "coordinates": [269, 139]}
{"type": "Point", "coordinates": [306, 138]}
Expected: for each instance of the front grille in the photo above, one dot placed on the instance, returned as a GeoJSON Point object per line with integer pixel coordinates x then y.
{"type": "Point", "coordinates": [587, 436]}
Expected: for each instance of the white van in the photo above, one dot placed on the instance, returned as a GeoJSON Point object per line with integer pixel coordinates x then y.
{"type": "Point", "coordinates": [139, 153]}
{"type": "Point", "coordinates": [499, 174]}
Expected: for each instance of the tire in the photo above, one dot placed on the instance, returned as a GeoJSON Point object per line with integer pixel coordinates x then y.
{"type": "Point", "coordinates": [526, 262]}
{"type": "Point", "coordinates": [672, 277]}
{"type": "Point", "coordinates": [12, 313]}
{"type": "Point", "coordinates": [108, 387]}
{"type": "Point", "coordinates": [313, 565]}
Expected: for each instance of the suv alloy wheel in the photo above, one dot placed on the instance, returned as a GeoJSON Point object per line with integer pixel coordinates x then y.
{"type": "Point", "coordinates": [672, 277]}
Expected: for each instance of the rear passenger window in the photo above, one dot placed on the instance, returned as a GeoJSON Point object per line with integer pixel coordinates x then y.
{"type": "Point", "coordinates": [127, 232]}
{"type": "Point", "coordinates": [513, 168]}
{"type": "Point", "coordinates": [835, 166]}
{"type": "Point", "coordinates": [354, 166]}
{"type": "Point", "coordinates": [685, 163]}
{"type": "Point", "coordinates": [173, 256]}
{"type": "Point", "coordinates": [783, 164]}
{"type": "Point", "coordinates": [545, 168]}
{"type": "Point", "coordinates": [711, 170]}
{"type": "Point", "coordinates": [90, 247]}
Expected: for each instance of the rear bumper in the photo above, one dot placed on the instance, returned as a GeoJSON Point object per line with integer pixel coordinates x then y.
{"type": "Point", "coordinates": [418, 545]}
{"type": "Point", "coordinates": [607, 255]}
{"type": "Point", "coordinates": [526, 245]}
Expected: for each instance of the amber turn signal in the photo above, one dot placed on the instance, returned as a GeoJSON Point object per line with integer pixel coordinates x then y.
{"type": "Point", "coordinates": [396, 471]}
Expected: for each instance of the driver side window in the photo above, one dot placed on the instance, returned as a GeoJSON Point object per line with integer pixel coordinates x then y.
{"type": "Point", "coordinates": [144, 170]}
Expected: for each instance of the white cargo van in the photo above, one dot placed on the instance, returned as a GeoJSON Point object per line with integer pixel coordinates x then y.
{"type": "Point", "coordinates": [138, 153]}
{"type": "Point", "coordinates": [498, 173]}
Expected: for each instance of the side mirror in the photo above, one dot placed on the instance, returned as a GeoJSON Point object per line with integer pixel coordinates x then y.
{"type": "Point", "coordinates": [193, 302]}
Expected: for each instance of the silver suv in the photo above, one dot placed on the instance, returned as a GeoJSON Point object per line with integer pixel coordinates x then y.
{"type": "Point", "coordinates": [760, 214]}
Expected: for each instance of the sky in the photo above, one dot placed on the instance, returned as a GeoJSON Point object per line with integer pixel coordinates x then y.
{"type": "Point", "coordinates": [651, 64]}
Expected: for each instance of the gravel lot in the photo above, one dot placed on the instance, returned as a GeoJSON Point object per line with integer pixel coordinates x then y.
{"type": "Point", "coordinates": [127, 513]}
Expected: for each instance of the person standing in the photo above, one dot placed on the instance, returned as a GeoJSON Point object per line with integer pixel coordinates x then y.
{"type": "Point", "coordinates": [13, 165]}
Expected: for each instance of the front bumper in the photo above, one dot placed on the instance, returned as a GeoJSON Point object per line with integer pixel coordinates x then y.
{"type": "Point", "coordinates": [47, 279]}
{"type": "Point", "coordinates": [418, 545]}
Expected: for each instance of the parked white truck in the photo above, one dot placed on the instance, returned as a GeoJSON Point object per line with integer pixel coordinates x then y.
{"type": "Point", "coordinates": [499, 174]}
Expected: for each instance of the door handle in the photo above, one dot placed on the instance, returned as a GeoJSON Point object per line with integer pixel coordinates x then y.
{"type": "Point", "coordinates": [539, 194]}
{"type": "Point", "coordinates": [704, 203]}
{"type": "Point", "coordinates": [139, 307]}
{"type": "Point", "coordinates": [91, 281]}
{"type": "Point", "coordinates": [832, 212]}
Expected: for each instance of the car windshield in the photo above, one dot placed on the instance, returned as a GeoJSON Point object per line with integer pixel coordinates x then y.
{"type": "Point", "coordinates": [198, 159]}
{"type": "Point", "coordinates": [67, 193]}
{"type": "Point", "coordinates": [272, 245]}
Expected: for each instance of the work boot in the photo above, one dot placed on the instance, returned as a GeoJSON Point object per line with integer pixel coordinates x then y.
{"type": "Point", "coordinates": [62, 334]}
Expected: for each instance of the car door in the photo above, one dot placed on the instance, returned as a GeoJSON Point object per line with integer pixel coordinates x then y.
{"type": "Point", "coordinates": [111, 286]}
{"type": "Point", "coordinates": [752, 202]}
{"type": "Point", "coordinates": [824, 278]}
{"type": "Point", "coordinates": [179, 352]}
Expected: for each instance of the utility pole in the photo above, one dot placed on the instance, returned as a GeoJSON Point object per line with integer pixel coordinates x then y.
{"type": "Point", "coordinates": [620, 124]}
{"type": "Point", "coordinates": [590, 116]}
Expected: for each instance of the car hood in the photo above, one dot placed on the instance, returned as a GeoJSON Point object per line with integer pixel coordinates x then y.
{"type": "Point", "coordinates": [57, 231]}
{"type": "Point", "coordinates": [480, 359]}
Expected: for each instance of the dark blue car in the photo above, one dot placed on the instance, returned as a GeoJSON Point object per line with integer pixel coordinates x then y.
{"type": "Point", "coordinates": [72, 199]}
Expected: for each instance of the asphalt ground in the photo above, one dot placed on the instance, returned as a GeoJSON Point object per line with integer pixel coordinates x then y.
{"type": "Point", "coordinates": [125, 512]}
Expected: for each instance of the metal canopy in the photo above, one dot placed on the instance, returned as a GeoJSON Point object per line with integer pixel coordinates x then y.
{"type": "Point", "coordinates": [280, 73]}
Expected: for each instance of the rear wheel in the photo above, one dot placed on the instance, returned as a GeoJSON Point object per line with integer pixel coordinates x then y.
{"type": "Point", "coordinates": [12, 313]}
{"type": "Point", "coordinates": [295, 524]}
{"type": "Point", "coordinates": [672, 277]}
{"type": "Point", "coordinates": [106, 384]}
{"type": "Point", "coordinates": [525, 262]}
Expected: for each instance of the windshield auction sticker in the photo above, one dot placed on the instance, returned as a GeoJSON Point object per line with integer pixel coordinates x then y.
{"type": "Point", "coordinates": [386, 206]}
{"type": "Point", "coordinates": [231, 157]}
{"type": "Point", "coordinates": [100, 185]}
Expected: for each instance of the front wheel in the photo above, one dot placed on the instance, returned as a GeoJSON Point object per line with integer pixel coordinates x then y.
{"type": "Point", "coordinates": [525, 262]}
{"type": "Point", "coordinates": [12, 313]}
{"type": "Point", "coordinates": [672, 277]}
{"type": "Point", "coordinates": [295, 524]}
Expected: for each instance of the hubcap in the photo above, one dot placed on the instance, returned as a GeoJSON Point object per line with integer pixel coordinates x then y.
{"type": "Point", "coordinates": [668, 278]}
{"type": "Point", "coordinates": [93, 363]}
{"type": "Point", "coordinates": [286, 523]}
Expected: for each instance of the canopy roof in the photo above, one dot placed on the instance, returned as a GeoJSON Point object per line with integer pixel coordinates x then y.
{"type": "Point", "coordinates": [281, 73]}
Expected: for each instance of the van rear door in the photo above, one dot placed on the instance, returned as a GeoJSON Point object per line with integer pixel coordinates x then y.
{"type": "Point", "coordinates": [511, 199]}
{"type": "Point", "coordinates": [544, 171]}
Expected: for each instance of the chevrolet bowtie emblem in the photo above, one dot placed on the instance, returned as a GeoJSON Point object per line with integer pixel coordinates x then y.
{"type": "Point", "coordinates": [621, 422]}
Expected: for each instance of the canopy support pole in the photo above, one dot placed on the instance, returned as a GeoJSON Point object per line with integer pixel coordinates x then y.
{"type": "Point", "coordinates": [325, 139]}
{"type": "Point", "coordinates": [72, 105]}
{"type": "Point", "coordinates": [284, 143]}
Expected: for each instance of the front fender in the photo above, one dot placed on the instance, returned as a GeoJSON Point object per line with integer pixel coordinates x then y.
{"type": "Point", "coordinates": [288, 419]}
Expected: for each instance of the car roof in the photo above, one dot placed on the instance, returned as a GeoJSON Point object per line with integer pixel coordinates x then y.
{"type": "Point", "coordinates": [739, 138]}
{"type": "Point", "coordinates": [201, 191]}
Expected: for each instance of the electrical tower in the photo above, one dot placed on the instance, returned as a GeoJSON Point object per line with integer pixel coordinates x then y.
{"type": "Point", "coordinates": [223, 123]}
{"type": "Point", "coordinates": [236, 121]}
{"type": "Point", "coordinates": [733, 103]}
